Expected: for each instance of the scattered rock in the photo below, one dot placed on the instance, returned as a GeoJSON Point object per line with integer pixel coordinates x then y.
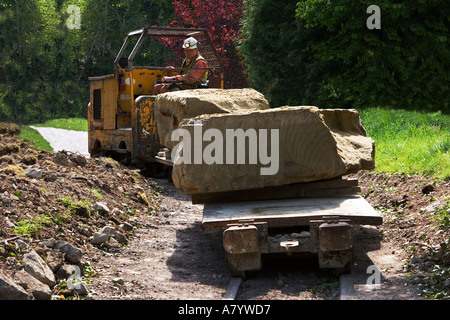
{"type": "Point", "coordinates": [118, 281]}
{"type": "Point", "coordinates": [112, 243]}
{"type": "Point", "coordinates": [54, 190]}
{"type": "Point", "coordinates": [116, 211]}
{"type": "Point", "coordinates": [36, 266]}
{"type": "Point", "coordinates": [34, 173]}
{"type": "Point", "coordinates": [71, 253]}
{"type": "Point", "coordinates": [126, 226]}
{"type": "Point", "coordinates": [109, 231]}
{"type": "Point", "coordinates": [55, 259]}
{"type": "Point", "coordinates": [48, 243]}
{"type": "Point", "coordinates": [9, 290]}
{"type": "Point", "coordinates": [101, 207]}
{"type": "Point", "coordinates": [68, 270]}
{"type": "Point", "coordinates": [22, 244]}
{"type": "Point", "coordinates": [427, 189]}
{"type": "Point", "coordinates": [109, 235]}
{"type": "Point", "coordinates": [5, 201]}
{"type": "Point", "coordinates": [79, 288]}
{"type": "Point", "coordinates": [112, 232]}
{"type": "Point", "coordinates": [50, 177]}
{"type": "Point", "coordinates": [39, 290]}
{"type": "Point", "coordinates": [99, 238]}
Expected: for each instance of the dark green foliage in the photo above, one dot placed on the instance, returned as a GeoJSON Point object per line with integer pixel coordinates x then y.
{"type": "Point", "coordinates": [45, 65]}
{"type": "Point", "coordinates": [336, 61]}
{"type": "Point", "coordinates": [273, 50]}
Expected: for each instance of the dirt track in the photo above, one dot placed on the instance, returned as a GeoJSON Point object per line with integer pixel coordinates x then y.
{"type": "Point", "coordinates": [189, 263]}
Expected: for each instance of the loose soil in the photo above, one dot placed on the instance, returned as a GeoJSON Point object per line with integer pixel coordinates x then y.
{"type": "Point", "coordinates": [169, 256]}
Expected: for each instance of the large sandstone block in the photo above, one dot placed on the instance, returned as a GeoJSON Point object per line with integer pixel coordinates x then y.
{"type": "Point", "coordinates": [172, 109]}
{"type": "Point", "coordinates": [274, 147]}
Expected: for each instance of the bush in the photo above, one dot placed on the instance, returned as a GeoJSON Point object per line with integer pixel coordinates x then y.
{"type": "Point", "coordinates": [319, 52]}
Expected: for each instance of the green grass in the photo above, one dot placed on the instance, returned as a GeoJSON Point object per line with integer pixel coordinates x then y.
{"type": "Point", "coordinates": [31, 135]}
{"type": "Point", "coordinates": [76, 124]}
{"type": "Point", "coordinates": [32, 226]}
{"type": "Point", "coordinates": [409, 142]}
{"type": "Point", "coordinates": [35, 138]}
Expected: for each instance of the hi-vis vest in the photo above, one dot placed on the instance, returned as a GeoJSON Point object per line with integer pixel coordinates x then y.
{"type": "Point", "coordinates": [203, 79]}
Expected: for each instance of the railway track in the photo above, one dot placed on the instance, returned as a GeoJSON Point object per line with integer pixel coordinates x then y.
{"type": "Point", "coordinates": [233, 288]}
{"type": "Point", "coordinates": [350, 287]}
{"type": "Point", "coordinates": [300, 278]}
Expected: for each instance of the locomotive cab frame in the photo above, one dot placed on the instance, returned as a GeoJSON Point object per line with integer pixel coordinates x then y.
{"type": "Point", "coordinates": [121, 112]}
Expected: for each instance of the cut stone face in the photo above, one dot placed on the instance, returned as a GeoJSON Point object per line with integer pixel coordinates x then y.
{"type": "Point", "coordinates": [273, 147]}
{"type": "Point", "coordinates": [173, 109]}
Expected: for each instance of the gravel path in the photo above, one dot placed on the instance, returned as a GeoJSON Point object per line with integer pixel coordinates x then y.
{"type": "Point", "coordinates": [68, 140]}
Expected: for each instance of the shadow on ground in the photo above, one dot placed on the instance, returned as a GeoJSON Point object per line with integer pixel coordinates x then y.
{"type": "Point", "coordinates": [199, 257]}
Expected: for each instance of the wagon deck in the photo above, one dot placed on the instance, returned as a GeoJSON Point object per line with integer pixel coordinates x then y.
{"type": "Point", "coordinates": [290, 212]}
{"type": "Point", "coordinates": [315, 217]}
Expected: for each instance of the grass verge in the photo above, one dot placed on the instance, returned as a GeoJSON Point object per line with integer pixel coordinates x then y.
{"type": "Point", "coordinates": [35, 138]}
{"type": "Point", "coordinates": [76, 124]}
{"type": "Point", "coordinates": [409, 142]}
{"type": "Point", "coordinates": [31, 135]}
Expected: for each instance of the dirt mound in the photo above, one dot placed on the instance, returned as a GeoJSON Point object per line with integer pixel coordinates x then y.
{"type": "Point", "coordinates": [415, 212]}
{"type": "Point", "coordinates": [58, 195]}
{"type": "Point", "coordinates": [9, 128]}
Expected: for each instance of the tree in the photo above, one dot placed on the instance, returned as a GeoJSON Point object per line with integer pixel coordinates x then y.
{"type": "Point", "coordinates": [107, 23]}
{"type": "Point", "coordinates": [318, 52]}
{"type": "Point", "coordinates": [46, 63]}
{"type": "Point", "coordinates": [25, 56]}
{"type": "Point", "coordinates": [222, 19]}
{"type": "Point", "coordinates": [402, 64]}
{"type": "Point", "coordinates": [274, 49]}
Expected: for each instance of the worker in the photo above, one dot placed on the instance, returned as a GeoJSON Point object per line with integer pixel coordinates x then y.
{"type": "Point", "coordinates": [194, 70]}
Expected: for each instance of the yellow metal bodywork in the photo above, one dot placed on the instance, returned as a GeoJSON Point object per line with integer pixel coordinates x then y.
{"type": "Point", "coordinates": [146, 120]}
{"type": "Point", "coordinates": [112, 128]}
{"type": "Point", "coordinates": [143, 83]}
